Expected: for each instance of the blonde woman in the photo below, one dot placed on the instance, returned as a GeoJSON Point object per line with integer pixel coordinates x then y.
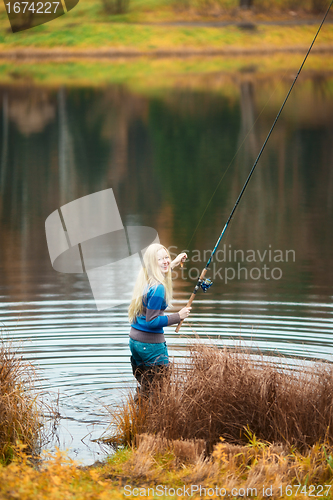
{"type": "Point", "coordinates": [152, 294]}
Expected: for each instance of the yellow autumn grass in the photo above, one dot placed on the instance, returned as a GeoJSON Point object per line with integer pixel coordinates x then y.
{"type": "Point", "coordinates": [89, 27]}
{"type": "Point", "coordinates": [160, 468]}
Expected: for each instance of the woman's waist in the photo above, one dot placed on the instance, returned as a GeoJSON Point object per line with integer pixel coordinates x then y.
{"type": "Point", "coordinates": [146, 336]}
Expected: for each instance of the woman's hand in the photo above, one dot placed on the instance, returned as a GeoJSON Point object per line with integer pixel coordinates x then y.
{"type": "Point", "coordinates": [185, 312]}
{"type": "Point", "coordinates": [179, 260]}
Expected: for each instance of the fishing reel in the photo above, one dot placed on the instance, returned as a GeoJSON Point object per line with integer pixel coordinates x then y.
{"type": "Point", "coordinates": [206, 284]}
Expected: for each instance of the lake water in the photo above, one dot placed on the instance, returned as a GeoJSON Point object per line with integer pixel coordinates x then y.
{"type": "Point", "coordinates": [176, 162]}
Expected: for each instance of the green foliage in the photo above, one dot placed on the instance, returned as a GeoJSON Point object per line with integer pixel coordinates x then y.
{"type": "Point", "coordinates": [329, 460]}
{"type": "Point", "coordinates": [254, 442]}
{"type": "Point", "coordinates": [121, 456]}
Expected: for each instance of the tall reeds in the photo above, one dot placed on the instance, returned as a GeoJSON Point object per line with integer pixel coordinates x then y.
{"type": "Point", "coordinates": [20, 405]}
{"type": "Point", "coordinates": [224, 393]}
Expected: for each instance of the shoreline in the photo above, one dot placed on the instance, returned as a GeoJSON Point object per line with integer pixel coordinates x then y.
{"type": "Point", "coordinates": [22, 54]}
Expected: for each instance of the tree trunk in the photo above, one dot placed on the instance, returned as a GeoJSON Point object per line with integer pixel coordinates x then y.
{"type": "Point", "coordinates": [319, 6]}
{"type": "Point", "coordinates": [245, 4]}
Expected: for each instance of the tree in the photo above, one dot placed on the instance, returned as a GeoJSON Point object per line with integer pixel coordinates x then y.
{"type": "Point", "coordinates": [116, 6]}
{"type": "Point", "coordinates": [319, 6]}
{"type": "Point", "coordinates": [245, 4]}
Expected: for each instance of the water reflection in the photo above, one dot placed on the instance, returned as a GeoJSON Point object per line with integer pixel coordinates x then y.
{"type": "Point", "coordinates": [164, 157]}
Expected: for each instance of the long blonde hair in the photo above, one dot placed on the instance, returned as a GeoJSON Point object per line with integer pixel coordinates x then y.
{"type": "Point", "coordinates": [149, 275]}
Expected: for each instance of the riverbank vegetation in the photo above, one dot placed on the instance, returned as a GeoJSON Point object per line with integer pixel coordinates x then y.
{"type": "Point", "coordinates": [155, 11]}
{"type": "Point", "coordinates": [228, 394]}
{"type": "Point", "coordinates": [128, 40]}
{"type": "Point", "coordinates": [20, 407]}
{"type": "Point", "coordinates": [92, 25]}
{"type": "Point", "coordinates": [157, 468]}
{"type": "Point", "coordinates": [170, 9]}
{"type": "Point", "coordinates": [93, 46]}
{"type": "Point", "coordinates": [227, 424]}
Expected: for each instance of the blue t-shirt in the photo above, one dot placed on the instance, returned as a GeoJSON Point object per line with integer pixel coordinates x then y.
{"type": "Point", "coordinates": [152, 320]}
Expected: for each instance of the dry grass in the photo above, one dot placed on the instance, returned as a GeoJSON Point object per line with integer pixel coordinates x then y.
{"type": "Point", "coordinates": [232, 394]}
{"type": "Point", "coordinates": [257, 469]}
{"type": "Point", "coordinates": [233, 421]}
{"type": "Point", "coordinates": [20, 406]}
{"type": "Point", "coordinates": [58, 478]}
{"type": "Point", "coordinates": [208, 425]}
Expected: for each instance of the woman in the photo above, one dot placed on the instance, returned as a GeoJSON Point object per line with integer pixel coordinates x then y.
{"type": "Point", "coordinates": [152, 294]}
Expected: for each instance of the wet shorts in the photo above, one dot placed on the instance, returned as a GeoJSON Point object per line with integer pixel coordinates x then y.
{"type": "Point", "coordinates": [149, 354]}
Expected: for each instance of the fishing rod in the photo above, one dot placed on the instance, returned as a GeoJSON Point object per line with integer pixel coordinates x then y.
{"type": "Point", "coordinates": [202, 282]}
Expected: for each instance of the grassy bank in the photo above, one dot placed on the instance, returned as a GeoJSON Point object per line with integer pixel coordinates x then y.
{"type": "Point", "coordinates": [68, 35]}
{"type": "Point", "coordinates": [90, 26]}
{"type": "Point", "coordinates": [89, 46]}
{"type": "Point", "coordinates": [157, 468]}
{"type": "Point", "coordinates": [157, 11]}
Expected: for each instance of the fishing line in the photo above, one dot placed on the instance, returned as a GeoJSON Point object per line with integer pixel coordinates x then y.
{"type": "Point", "coordinates": [231, 162]}
{"type": "Point", "coordinates": [268, 136]}
{"type": "Point", "coordinates": [206, 283]}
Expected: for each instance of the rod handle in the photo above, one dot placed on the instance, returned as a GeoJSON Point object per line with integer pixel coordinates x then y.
{"type": "Point", "coordinates": [202, 276]}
